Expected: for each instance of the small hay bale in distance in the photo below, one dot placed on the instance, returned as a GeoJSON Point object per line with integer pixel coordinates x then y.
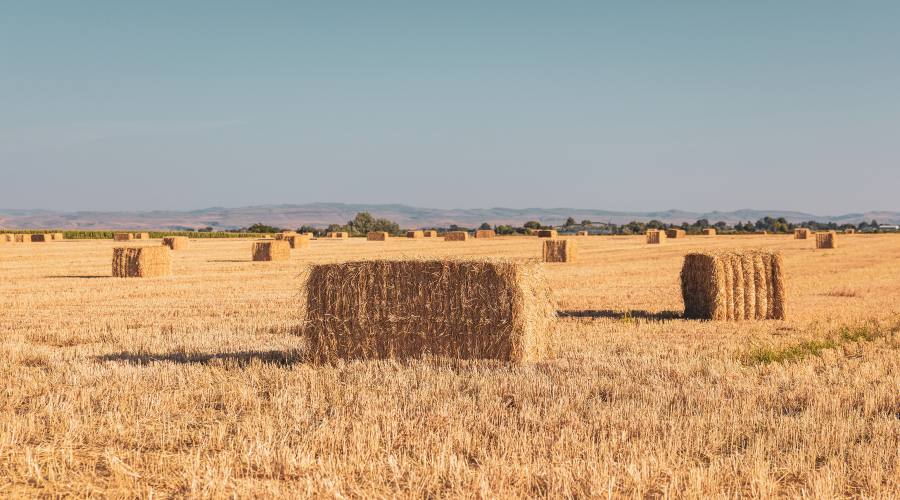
{"type": "Point", "coordinates": [339, 235]}
{"type": "Point", "coordinates": [581, 233]}
{"type": "Point", "coordinates": [456, 236]}
{"type": "Point", "coordinates": [733, 285]}
{"type": "Point", "coordinates": [826, 239]}
{"type": "Point", "coordinates": [655, 236]}
{"type": "Point", "coordinates": [547, 233]}
{"type": "Point", "coordinates": [9, 238]}
{"type": "Point", "coordinates": [849, 231]}
{"type": "Point", "coordinates": [414, 235]}
{"type": "Point", "coordinates": [57, 236]}
{"type": "Point", "coordinates": [676, 233]}
{"type": "Point", "coordinates": [176, 242]}
{"type": "Point", "coordinates": [264, 251]}
{"type": "Point", "coordinates": [22, 238]}
{"type": "Point", "coordinates": [708, 231]}
{"type": "Point", "coordinates": [123, 236]}
{"type": "Point", "coordinates": [429, 233]}
{"type": "Point", "coordinates": [142, 236]}
{"type": "Point", "coordinates": [377, 236]}
{"type": "Point", "coordinates": [801, 233]}
{"type": "Point", "coordinates": [469, 309]}
{"type": "Point", "coordinates": [284, 234]}
{"type": "Point", "coordinates": [297, 240]}
{"type": "Point", "coordinates": [485, 233]}
{"type": "Point", "coordinates": [141, 262]}
{"type": "Point", "coordinates": [560, 250]}
{"type": "Point", "coordinates": [41, 238]}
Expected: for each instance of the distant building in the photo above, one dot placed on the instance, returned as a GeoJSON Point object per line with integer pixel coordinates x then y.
{"type": "Point", "coordinates": [888, 227]}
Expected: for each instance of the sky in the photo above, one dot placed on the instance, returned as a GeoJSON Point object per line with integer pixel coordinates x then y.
{"type": "Point", "coordinates": [632, 105]}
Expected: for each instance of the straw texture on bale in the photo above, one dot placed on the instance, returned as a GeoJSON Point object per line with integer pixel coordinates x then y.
{"type": "Point", "coordinates": [429, 233]}
{"type": "Point", "coordinates": [284, 234]}
{"type": "Point", "coordinates": [142, 236]}
{"type": "Point", "coordinates": [827, 239]}
{"type": "Point", "coordinates": [176, 242]}
{"type": "Point", "coordinates": [581, 233]}
{"type": "Point", "coordinates": [485, 233]}
{"type": "Point", "coordinates": [339, 235]}
{"type": "Point", "coordinates": [9, 237]}
{"type": "Point", "coordinates": [141, 262]}
{"type": "Point", "coordinates": [456, 236]}
{"type": "Point", "coordinates": [547, 233]}
{"type": "Point", "coordinates": [56, 236]}
{"type": "Point", "coordinates": [470, 309]}
{"type": "Point", "coordinates": [40, 238]}
{"type": "Point", "coordinates": [708, 231]}
{"type": "Point", "coordinates": [801, 233]}
{"type": "Point", "coordinates": [675, 233]}
{"type": "Point", "coordinates": [271, 250]}
{"type": "Point", "coordinates": [415, 234]}
{"type": "Point", "coordinates": [22, 238]}
{"type": "Point", "coordinates": [297, 240]}
{"type": "Point", "coordinates": [122, 236]}
{"type": "Point", "coordinates": [733, 285]}
{"type": "Point", "coordinates": [655, 236]}
{"type": "Point", "coordinates": [560, 250]}
{"type": "Point", "coordinates": [377, 236]}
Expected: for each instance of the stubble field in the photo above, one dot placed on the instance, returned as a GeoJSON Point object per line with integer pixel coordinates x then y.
{"type": "Point", "coordinates": [194, 385]}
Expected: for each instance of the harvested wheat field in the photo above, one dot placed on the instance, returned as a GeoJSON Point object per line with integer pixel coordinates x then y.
{"type": "Point", "coordinates": [202, 384]}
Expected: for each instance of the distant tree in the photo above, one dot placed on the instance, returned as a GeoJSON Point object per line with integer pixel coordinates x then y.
{"type": "Point", "coordinates": [702, 223]}
{"type": "Point", "coordinates": [532, 224]}
{"type": "Point", "coordinates": [484, 226]}
{"type": "Point", "coordinates": [262, 228]}
{"type": "Point", "coordinates": [655, 224]}
{"type": "Point", "coordinates": [307, 229]}
{"type": "Point", "coordinates": [570, 222]}
{"type": "Point", "coordinates": [586, 223]}
{"type": "Point", "coordinates": [364, 223]}
{"type": "Point", "coordinates": [504, 229]}
{"type": "Point", "coordinates": [335, 228]}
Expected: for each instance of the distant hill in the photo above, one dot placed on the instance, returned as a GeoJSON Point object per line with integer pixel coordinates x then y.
{"type": "Point", "coordinates": [322, 214]}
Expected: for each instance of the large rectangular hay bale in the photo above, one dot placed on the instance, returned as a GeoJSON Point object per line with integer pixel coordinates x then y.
{"type": "Point", "coordinates": [22, 238]}
{"type": "Point", "coordinates": [456, 236]}
{"type": "Point", "coordinates": [271, 250]}
{"type": "Point", "coordinates": [708, 231]}
{"type": "Point", "coordinates": [547, 233]}
{"type": "Point", "coordinates": [142, 236]}
{"type": "Point", "coordinates": [40, 238]}
{"type": "Point", "coordinates": [581, 233]}
{"type": "Point", "coordinates": [485, 233]}
{"type": "Point", "coordinates": [471, 309]}
{"type": "Point", "coordinates": [655, 236]}
{"type": "Point", "coordinates": [849, 231]}
{"type": "Point", "coordinates": [284, 235]}
{"type": "Point", "coordinates": [429, 233]}
{"type": "Point", "coordinates": [415, 234]}
{"type": "Point", "coordinates": [176, 242]}
{"type": "Point", "coordinates": [733, 285]}
{"type": "Point", "coordinates": [339, 235]}
{"type": "Point", "coordinates": [141, 262]}
{"type": "Point", "coordinates": [801, 233]}
{"type": "Point", "coordinates": [826, 239]}
{"type": "Point", "coordinates": [9, 238]}
{"type": "Point", "coordinates": [675, 233]}
{"type": "Point", "coordinates": [560, 250]}
{"type": "Point", "coordinates": [297, 240]}
{"type": "Point", "coordinates": [122, 236]}
{"type": "Point", "coordinates": [377, 236]}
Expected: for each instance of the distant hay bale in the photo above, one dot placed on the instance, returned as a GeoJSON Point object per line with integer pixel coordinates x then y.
{"type": "Point", "coordinates": [801, 233]}
{"type": "Point", "coordinates": [415, 234]}
{"type": "Point", "coordinates": [176, 242]}
{"type": "Point", "coordinates": [22, 238]}
{"type": "Point", "coordinates": [560, 250]}
{"type": "Point", "coordinates": [284, 234]}
{"type": "Point", "coordinates": [56, 236]}
{"type": "Point", "coordinates": [826, 239]}
{"type": "Point", "coordinates": [456, 236]}
{"type": "Point", "coordinates": [297, 240]}
{"type": "Point", "coordinates": [469, 309]}
{"type": "Point", "coordinates": [733, 285]}
{"type": "Point", "coordinates": [849, 231]}
{"type": "Point", "coordinates": [141, 262]}
{"type": "Point", "coordinates": [9, 238]}
{"type": "Point", "coordinates": [708, 231]}
{"type": "Point", "coordinates": [655, 236]}
{"type": "Point", "coordinates": [123, 236]}
{"type": "Point", "coordinates": [429, 233]}
{"type": "Point", "coordinates": [142, 236]}
{"type": "Point", "coordinates": [377, 236]}
{"type": "Point", "coordinates": [485, 233]}
{"type": "Point", "coordinates": [581, 233]}
{"type": "Point", "coordinates": [547, 233]}
{"type": "Point", "coordinates": [271, 250]}
{"type": "Point", "coordinates": [675, 233]}
{"type": "Point", "coordinates": [40, 238]}
{"type": "Point", "coordinates": [339, 235]}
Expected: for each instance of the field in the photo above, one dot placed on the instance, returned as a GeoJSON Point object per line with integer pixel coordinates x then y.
{"type": "Point", "coordinates": [193, 385]}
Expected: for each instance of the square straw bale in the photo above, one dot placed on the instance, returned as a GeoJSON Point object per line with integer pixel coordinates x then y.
{"type": "Point", "coordinates": [141, 262]}
{"type": "Point", "coordinates": [733, 285]}
{"type": "Point", "coordinates": [560, 250]}
{"type": "Point", "coordinates": [271, 250]}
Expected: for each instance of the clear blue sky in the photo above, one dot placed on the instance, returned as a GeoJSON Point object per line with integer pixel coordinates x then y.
{"type": "Point", "coordinates": [632, 105]}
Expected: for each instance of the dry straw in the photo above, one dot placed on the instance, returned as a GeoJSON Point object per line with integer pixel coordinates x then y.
{"type": "Point", "coordinates": [122, 236]}
{"type": "Point", "coordinates": [827, 239]}
{"type": "Point", "coordinates": [560, 251]}
{"type": "Point", "coordinates": [547, 233]}
{"type": "Point", "coordinates": [655, 236]}
{"type": "Point", "coordinates": [377, 236]}
{"type": "Point", "coordinates": [176, 242]}
{"type": "Point", "coordinates": [675, 233]}
{"type": "Point", "coordinates": [849, 231]}
{"type": "Point", "coordinates": [708, 231]}
{"type": "Point", "coordinates": [485, 233]}
{"type": "Point", "coordinates": [284, 235]}
{"type": "Point", "coordinates": [733, 285]}
{"type": "Point", "coordinates": [297, 240]}
{"type": "Point", "coordinates": [22, 238]}
{"type": "Point", "coordinates": [11, 238]}
{"type": "Point", "coordinates": [415, 234]}
{"type": "Point", "coordinates": [338, 235]}
{"type": "Point", "coordinates": [470, 309]}
{"type": "Point", "coordinates": [801, 233]}
{"type": "Point", "coordinates": [429, 233]}
{"type": "Point", "coordinates": [456, 236]}
{"type": "Point", "coordinates": [581, 233]}
{"type": "Point", "coordinates": [142, 236]}
{"type": "Point", "coordinates": [40, 238]}
{"type": "Point", "coordinates": [57, 236]}
{"type": "Point", "coordinates": [141, 262]}
{"type": "Point", "coordinates": [271, 250]}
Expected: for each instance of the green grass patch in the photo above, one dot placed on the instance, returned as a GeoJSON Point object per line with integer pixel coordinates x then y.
{"type": "Point", "coordinates": [847, 334]}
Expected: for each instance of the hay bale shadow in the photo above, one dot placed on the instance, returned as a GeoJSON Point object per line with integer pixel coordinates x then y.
{"type": "Point", "coordinates": [619, 315]}
{"type": "Point", "coordinates": [239, 359]}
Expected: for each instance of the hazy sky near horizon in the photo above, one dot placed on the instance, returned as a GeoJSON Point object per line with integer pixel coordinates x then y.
{"type": "Point", "coordinates": [632, 105]}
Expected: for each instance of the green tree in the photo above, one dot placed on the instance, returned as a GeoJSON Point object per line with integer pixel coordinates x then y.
{"type": "Point", "coordinates": [570, 222]}
{"type": "Point", "coordinates": [532, 224]}
{"type": "Point", "coordinates": [484, 226]}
